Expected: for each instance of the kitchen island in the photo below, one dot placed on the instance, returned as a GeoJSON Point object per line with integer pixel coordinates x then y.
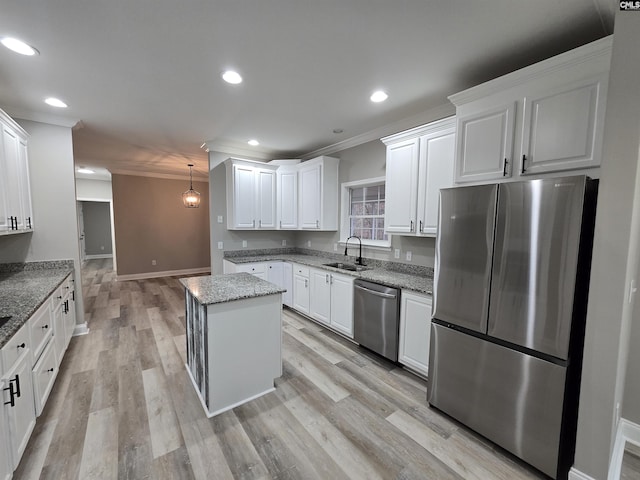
{"type": "Point", "coordinates": [234, 338]}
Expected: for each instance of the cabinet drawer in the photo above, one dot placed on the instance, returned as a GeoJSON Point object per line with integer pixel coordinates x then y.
{"type": "Point", "coordinates": [44, 374]}
{"type": "Point", "coordinates": [15, 347]}
{"type": "Point", "coordinates": [41, 328]}
{"type": "Point", "coordinates": [252, 268]}
{"type": "Point", "coordinates": [300, 270]}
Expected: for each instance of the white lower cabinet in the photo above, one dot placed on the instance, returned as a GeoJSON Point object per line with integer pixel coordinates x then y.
{"type": "Point", "coordinates": [257, 269]}
{"type": "Point", "coordinates": [44, 375]}
{"type": "Point", "coordinates": [5, 467]}
{"type": "Point", "coordinates": [17, 397]}
{"type": "Point", "coordinates": [287, 282]}
{"type": "Point", "coordinates": [301, 288]}
{"type": "Point", "coordinates": [415, 330]}
{"type": "Point", "coordinates": [342, 303]}
{"type": "Point", "coordinates": [320, 296]}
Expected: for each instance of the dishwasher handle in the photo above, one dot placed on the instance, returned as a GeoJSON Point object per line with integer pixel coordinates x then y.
{"type": "Point", "coordinates": [373, 292]}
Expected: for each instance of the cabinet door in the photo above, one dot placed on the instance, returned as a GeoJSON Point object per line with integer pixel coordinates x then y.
{"type": "Point", "coordinates": [256, 269]}
{"type": "Point", "coordinates": [266, 199]}
{"type": "Point", "coordinates": [59, 336]}
{"type": "Point", "coordinates": [21, 416]}
{"type": "Point", "coordinates": [310, 200]}
{"type": "Point", "coordinates": [44, 375]}
{"type": "Point", "coordinates": [415, 331]}
{"type": "Point", "coordinates": [485, 144]}
{"type": "Point", "coordinates": [11, 183]}
{"type": "Point", "coordinates": [320, 296]}
{"type": "Point", "coordinates": [275, 273]}
{"type": "Point", "coordinates": [25, 185]}
{"type": "Point", "coordinates": [563, 128]}
{"type": "Point", "coordinates": [5, 463]}
{"type": "Point", "coordinates": [342, 304]}
{"type": "Point", "coordinates": [288, 200]}
{"type": "Point", "coordinates": [244, 197]}
{"type": "Point", "coordinates": [401, 187]}
{"type": "Point", "coordinates": [287, 282]}
{"type": "Point", "coordinates": [300, 293]}
{"type": "Point", "coordinates": [436, 172]}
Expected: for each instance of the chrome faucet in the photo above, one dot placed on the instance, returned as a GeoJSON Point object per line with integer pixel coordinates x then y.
{"type": "Point", "coordinates": [359, 257]}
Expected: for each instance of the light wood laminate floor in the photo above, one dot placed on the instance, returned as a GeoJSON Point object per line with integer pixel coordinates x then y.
{"type": "Point", "coordinates": [123, 407]}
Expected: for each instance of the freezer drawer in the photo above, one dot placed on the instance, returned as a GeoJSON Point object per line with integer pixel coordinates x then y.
{"type": "Point", "coordinates": [511, 398]}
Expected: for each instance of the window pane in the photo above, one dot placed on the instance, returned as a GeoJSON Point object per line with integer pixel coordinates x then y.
{"type": "Point", "coordinates": [371, 193]}
{"type": "Point", "coordinates": [357, 194]}
{"type": "Point", "coordinates": [371, 208]}
{"type": "Point", "coordinates": [379, 224]}
{"type": "Point", "coordinates": [381, 207]}
{"type": "Point", "coordinates": [366, 234]}
{"type": "Point", "coordinates": [357, 208]}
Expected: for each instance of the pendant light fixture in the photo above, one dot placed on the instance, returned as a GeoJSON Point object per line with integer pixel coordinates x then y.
{"type": "Point", "coordinates": [191, 198]}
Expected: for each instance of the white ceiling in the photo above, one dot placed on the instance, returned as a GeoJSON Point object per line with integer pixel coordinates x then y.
{"type": "Point", "coordinates": [143, 76]}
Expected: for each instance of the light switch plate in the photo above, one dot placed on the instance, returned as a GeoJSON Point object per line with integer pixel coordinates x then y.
{"type": "Point", "coordinates": [284, 243]}
{"type": "Point", "coordinates": [308, 243]}
{"type": "Point", "coordinates": [244, 243]}
{"type": "Point", "coordinates": [396, 253]}
{"type": "Point", "coordinates": [220, 245]}
{"type": "Point", "coordinates": [219, 218]}
{"type": "Point", "coordinates": [408, 256]}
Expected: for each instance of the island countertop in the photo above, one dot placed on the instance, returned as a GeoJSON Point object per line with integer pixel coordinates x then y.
{"type": "Point", "coordinates": [212, 289]}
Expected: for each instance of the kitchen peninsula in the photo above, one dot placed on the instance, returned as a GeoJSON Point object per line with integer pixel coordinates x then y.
{"type": "Point", "coordinates": [234, 338]}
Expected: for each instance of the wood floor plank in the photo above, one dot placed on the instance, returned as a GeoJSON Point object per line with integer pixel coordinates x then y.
{"type": "Point", "coordinates": [100, 453]}
{"type": "Point", "coordinates": [105, 389]}
{"type": "Point", "coordinates": [303, 337]}
{"type": "Point", "coordinates": [36, 451]}
{"type": "Point", "coordinates": [174, 465]}
{"type": "Point", "coordinates": [205, 453]}
{"type": "Point", "coordinates": [169, 356]}
{"type": "Point", "coordinates": [148, 349]}
{"type": "Point", "coordinates": [163, 424]}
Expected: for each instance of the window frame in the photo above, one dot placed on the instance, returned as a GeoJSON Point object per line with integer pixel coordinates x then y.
{"type": "Point", "coordinates": [345, 204]}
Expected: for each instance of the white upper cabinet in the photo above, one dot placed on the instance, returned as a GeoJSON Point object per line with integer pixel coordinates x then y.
{"type": "Point", "coordinates": [318, 194]}
{"type": "Point", "coordinates": [251, 195]}
{"type": "Point", "coordinates": [15, 190]}
{"type": "Point", "coordinates": [537, 121]}
{"type": "Point", "coordinates": [287, 196]}
{"type": "Point", "coordinates": [420, 162]}
{"type": "Point", "coordinates": [485, 144]}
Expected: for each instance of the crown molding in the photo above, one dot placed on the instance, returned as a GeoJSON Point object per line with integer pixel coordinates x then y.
{"type": "Point", "coordinates": [166, 176]}
{"type": "Point", "coordinates": [40, 117]}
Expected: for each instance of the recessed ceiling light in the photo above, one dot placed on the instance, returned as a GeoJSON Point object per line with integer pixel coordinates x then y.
{"type": "Point", "coordinates": [379, 96]}
{"type": "Point", "coordinates": [253, 143]}
{"type": "Point", "coordinates": [85, 170]}
{"type": "Point", "coordinates": [232, 77]}
{"type": "Point", "coordinates": [55, 102]}
{"type": "Point", "coordinates": [18, 46]}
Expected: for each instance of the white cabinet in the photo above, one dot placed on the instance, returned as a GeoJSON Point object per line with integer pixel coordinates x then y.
{"type": "Point", "coordinates": [5, 467]}
{"type": "Point", "coordinates": [485, 144]}
{"type": "Point", "coordinates": [44, 375]}
{"type": "Point", "coordinates": [257, 269]}
{"type": "Point", "coordinates": [15, 191]}
{"type": "Point", "coordinates": [540, 120]}
{"type": "Point", "coordinates": [59, 330]}
{"type": "Point", "coordinates": [318, 194]}
{"type": "Point", "coordinates": [69, 309]}
{"type": "Point", "coordinates": [251, 195]}
{"type": "Point", "coordinates": [420, 162]}
{"type": "Point", "coordinates": [301, 288]}
{"type": "Point", "coordinates": [287, 283]}
{"type": "Point", "coordinates": [287, 197]}
{"type": "Point", "coordinates": [342, 303]}
{"type": "Point", "coordinates": [415, 330]}
{"type": "Point", "coordinates": [331, 300]}
{"type": "Point", "coordinates": [17, 394]}
{"type": "Point", "coordinates": [320, 295]}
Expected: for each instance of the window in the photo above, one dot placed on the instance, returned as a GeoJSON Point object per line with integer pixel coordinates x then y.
{"type": "Point", "coordinates": [363, 205]}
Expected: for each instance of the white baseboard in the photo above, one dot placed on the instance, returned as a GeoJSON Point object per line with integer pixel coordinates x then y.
{"type": "Point", "coordinates": [167, 273]}
{"type": "Point", "coordinates": [81, 329]}
{"type": "Point", "coordinates": [96, 257]}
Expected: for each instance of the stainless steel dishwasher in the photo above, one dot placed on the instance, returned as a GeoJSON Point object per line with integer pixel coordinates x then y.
{"type": "Point", "coordinates": [376, 315]}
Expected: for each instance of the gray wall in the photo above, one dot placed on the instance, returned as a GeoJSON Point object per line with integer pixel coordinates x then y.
{"type": "Point", "coordinates": [609, 314]}
{"type": "Point", "coordinates": [151, 223]}
{"type": "Point", "coordinates": [631, 400]}
{"type": "Point", "coordinates": [55, 235]}
{"type": "Point", "coordinates": [97, 228]}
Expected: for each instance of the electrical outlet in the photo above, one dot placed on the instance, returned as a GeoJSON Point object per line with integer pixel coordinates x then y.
{"type": "Point", "coordinates": [101, 247]}
{"type": "Point", "coordinates": [153, 262]}
{"type": "Point", "coordinates": [335, 247]}
{"type": "Point", "coordinates": [396, 253]}
{"type": "Point", "coordinates": [219, 218]}
{"type": "Point", "coordinates": [220, 245]}
{"type": "Point", "coordinates": [308, 243]}
{"type": "Point", "coordinates": [408, 256]}
{"type": "Point", "coordinates": [284, 243]}
{"type": "Point", "coordinates": [244, 243]}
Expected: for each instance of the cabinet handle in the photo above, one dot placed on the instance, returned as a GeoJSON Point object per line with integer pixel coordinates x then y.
{"type": "Point", "coordinates": [59, 297]}
{"type": "Point", "coordinates": [73, 295]}
{"type": "Point", "coordinates": [259, 223]}
{"type": "Point", "coordinates": [50, 370]}
{"type": "Point", "coordinates": [17, 380]}
{"type": "Point", "coordinates": [331, 279]}
{"type": "Point", "coordinates": [306, 282]}
{"type": "Point", "coordinates": [44, 327]}
{"type": "Point", "coordinates": [317, 223]}
{"type": "Point", "coordinates": [421, 227]}
{"type": "Point", "coordinates": [254, 224]}
{"type": "Point", "coordinates": [326, 278]}
{"type": "Point", "coordinates": [411, 229]}
{"type": "Point", "coordinates": [524, 159]}
{"type": "Point", "coordinates": [504, 167]}
{"type": "Point", "coordinates": [22, 345]}
{"type": "Point", "coordinates": [29, 222]}
{"type": "Point", "coordinates": [280, 223]}
{"type": "Point", "coordinates": [11, 401]}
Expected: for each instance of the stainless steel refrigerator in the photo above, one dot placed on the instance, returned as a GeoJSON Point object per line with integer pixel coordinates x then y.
{"type": "Point", "coordinates": [510, 296]}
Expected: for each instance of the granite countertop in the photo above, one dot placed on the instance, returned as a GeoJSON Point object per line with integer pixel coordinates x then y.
{"type": "Point", "coordinates": [23, 292]}
{"type": "Point", "coordinates": [376, 272]}
{"type": "Point", "coordinates": [212, 289]}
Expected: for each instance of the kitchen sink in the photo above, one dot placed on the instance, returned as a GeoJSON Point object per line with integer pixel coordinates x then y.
{"type": "Point", "coordinates": [346, 266]}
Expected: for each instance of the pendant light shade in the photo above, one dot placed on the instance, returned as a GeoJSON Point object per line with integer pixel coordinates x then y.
{"type": "Point", "coordinates": [191, 198]}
